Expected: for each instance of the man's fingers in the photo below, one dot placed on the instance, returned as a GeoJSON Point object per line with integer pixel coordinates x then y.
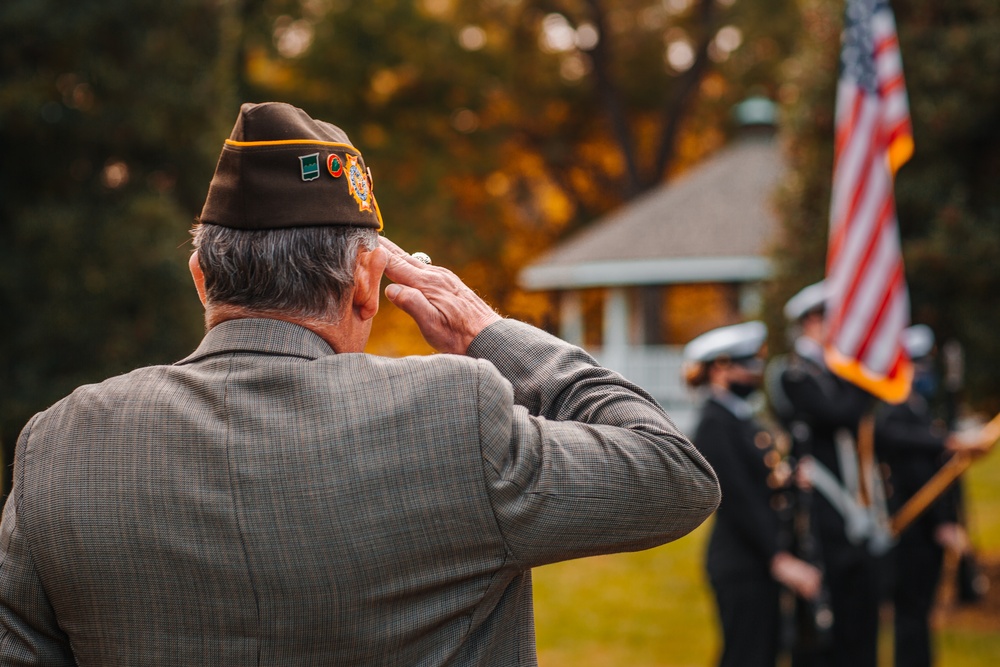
{"type": "Point", "coordinates": [448, 313]}
{"type": "Point", "coordinates": [411, 301]}
{"type": "Point", "coordinates": [402, 268]}
{"type": "Point", "coordinates": [390, 247]}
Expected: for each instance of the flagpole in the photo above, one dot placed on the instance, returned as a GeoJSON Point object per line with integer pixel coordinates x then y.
{"type": "Point", "coordinates": [940, 482]}
{"type": "Point", "coordinates": [866, 456]}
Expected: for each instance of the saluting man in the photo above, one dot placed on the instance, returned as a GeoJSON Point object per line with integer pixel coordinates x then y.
{"type": "Point", "coordinates": [748, 558]}
{"type": "Point", "coordinates": [281, 498]}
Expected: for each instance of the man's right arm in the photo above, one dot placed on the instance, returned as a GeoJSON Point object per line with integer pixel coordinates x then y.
{"type": "Point", "coordinates": [825, 400]}
{"type": "Point", "coordinates": [579, 461]}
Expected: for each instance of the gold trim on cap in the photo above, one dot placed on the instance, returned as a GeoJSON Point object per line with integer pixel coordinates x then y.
{"type": "Point", "coordinates": [287, 142]}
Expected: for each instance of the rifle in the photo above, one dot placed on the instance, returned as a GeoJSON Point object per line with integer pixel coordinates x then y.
{"type": "Point", "coordinates": [940, 482]}
{"type": "Point", "coordinates": [806, 625]}
{"type": "Point", "coordinates": [810, 628]}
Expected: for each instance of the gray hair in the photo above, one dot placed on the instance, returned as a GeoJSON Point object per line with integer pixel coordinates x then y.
{"type": "Point", "coordinates": [299, 271]}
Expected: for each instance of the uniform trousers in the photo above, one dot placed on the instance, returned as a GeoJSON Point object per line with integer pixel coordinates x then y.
{"type": "Point", "coordinates": [917, 572]}
{"type": "Point", "coordinates": [854, 600]}
{"type": "Point", "coordinates": [748, 610]}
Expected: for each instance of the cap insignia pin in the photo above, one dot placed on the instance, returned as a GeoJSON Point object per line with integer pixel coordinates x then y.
{"type": "Point", "coordinates": [334, 165]}
{"type": "Point", "coordinates": [310, 166]}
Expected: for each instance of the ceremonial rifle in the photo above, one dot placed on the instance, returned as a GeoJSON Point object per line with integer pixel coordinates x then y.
{"type": "Point", "coordinates": [940, 482]}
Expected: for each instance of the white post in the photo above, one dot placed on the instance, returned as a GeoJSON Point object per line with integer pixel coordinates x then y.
{"type": "Point", "coordinates": [615, 329]}
{"type": "Point", "coordinates": [571, 317]}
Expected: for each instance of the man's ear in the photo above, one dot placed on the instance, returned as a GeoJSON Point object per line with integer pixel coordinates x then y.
{"type": "Point", "coordinates": [368, 281]}
{"type": "Point", "coordinates": [198, 277]}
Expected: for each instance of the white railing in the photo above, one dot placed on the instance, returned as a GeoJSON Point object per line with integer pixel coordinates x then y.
{"type": "Point", "coordinates": [657, 369]}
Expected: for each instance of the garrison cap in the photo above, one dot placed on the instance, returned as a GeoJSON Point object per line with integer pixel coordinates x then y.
{"type": "Point", "coordinates": [918, 341]}
{"type": "Point", "coordinates": [807, 300]}
{"type": "Point", "coordinates": [739, 341]}
{"type": "Point", "coordinates": [281, 168]}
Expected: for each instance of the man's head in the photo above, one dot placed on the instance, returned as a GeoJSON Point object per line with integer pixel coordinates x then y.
{"type": "Point", "coordinates": [806, 311]}
{"type": "Point", "coordinates": [290, 227]}
{"type": "Point", "coordinates": [301, 272]}
{"type": "Point", "coordinates": [728, 357]}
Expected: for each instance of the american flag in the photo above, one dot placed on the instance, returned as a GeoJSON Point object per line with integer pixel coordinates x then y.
{"type": "Point", "coordinates": [868, 304]}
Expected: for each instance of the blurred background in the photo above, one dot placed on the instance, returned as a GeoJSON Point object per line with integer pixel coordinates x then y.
{"type": "Point", "coordinates": [564, 157]}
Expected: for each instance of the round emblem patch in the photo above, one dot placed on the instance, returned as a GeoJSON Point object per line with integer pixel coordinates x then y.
{"type": "Point", "coordinates": [334, 165]}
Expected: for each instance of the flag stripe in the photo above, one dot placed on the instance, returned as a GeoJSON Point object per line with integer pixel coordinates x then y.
{"type": "Point", "coordinates": [867, 347]}
{"type": "Point", "coordinates": [860, 313]}
{"type": "Point", "coordinates": [856, 196]}
{"type": "Point", "coordinates": [862, 228]}
{"type": "Point", "coordinates": [863, 279]}
{"type": "Point", "coordinates": [850, 176]}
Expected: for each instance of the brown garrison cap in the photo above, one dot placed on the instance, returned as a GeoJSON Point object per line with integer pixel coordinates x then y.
{"type": "Point", "coordinates": [281, 168]}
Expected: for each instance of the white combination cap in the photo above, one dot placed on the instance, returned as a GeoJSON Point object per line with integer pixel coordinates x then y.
{"type": "Point", "coordinates": [918, 340]}
{"type": "Point", "coordinates": [738, 341]}
{"type": "Point", "coordinates": [808, 298]}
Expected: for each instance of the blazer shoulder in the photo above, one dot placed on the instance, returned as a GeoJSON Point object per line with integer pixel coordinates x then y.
{"type": "Point", "coordinates": [107, 392]}
{"type": "Point", "coordinates": [436, 365]}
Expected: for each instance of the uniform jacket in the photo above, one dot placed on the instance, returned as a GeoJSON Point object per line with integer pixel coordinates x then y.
{"type": "Point", "coordinates": [814, 404]}
{"type": "Point", "coordinates": [268, 502]}
{"type": "Point", "coordinates": [747, 531]}
{"type": "Point", "coordinates": [913, 447]}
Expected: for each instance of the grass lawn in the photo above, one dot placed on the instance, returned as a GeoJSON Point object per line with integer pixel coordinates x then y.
{"type": "Point", "coordinates": [654, 608]}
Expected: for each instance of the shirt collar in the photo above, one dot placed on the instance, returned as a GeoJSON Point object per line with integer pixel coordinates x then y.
{"type": "Point", "coordinates": [807, 348]}
{"type": "Point", "coordinates": [740, 408]}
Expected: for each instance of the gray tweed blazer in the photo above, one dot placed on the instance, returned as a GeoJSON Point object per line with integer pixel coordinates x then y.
{"type": "Point", "coordinates": [268, 502]}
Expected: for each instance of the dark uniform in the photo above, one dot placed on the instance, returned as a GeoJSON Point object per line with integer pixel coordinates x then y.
{"type": "Point", "coordinates": [747, 531]}
{"type": "Point", "coordinates": [913, 447]}
{"type": "Point", "coordinates": [814, 404]}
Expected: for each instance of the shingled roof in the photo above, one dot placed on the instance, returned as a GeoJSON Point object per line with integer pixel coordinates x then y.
{"type": "Point", "coordinates": [713, 223]}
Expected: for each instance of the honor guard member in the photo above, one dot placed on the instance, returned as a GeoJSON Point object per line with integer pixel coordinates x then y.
{"type": "Point", "coordinates": [822, 412]}
{"type": "Point", "coordinates": [280, 497]}
{"type": "Point", "coordinates": [914, 443]}
{"type": "Point", "coordinates": [747, 558]}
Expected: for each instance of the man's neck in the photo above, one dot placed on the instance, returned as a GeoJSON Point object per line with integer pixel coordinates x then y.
{"type": "Point", "coordinates": [811, 349]}
{"type": "Point", "coordinates": [331, 332]}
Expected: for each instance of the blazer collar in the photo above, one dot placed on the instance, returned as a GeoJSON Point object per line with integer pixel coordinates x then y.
{"type": "Point", "coordinates": [260, 336]}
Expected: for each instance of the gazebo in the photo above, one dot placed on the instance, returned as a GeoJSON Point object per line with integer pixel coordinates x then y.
{"type": "Point", "coordinates": [671, 264]}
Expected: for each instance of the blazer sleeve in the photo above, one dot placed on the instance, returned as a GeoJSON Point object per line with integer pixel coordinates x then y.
{"type": "Point", "coordinates": [29, 632]}
{"type": "Point", "coordinates": [578, 461]}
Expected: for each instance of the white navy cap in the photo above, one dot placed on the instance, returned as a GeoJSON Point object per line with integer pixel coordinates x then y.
{"type": "Point", "coordinates": [808, 299]}
{"type": "Point", "coordinates": [739, 341]}
{"type": "Point", "coordinates": [918, 340]}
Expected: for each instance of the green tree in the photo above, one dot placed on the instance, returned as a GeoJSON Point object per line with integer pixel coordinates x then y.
{"type": "Point", "coordinates": [494, 128]}
{"type": "Point", "coordinates": [105, 111]}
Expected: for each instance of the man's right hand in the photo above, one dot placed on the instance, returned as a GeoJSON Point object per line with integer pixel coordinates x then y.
{"type": "Point", "coordinates": [974, 442]}
{"type": "Point", "coordinates": [448, 313]}
{"type": "Point", "coordinates": [804, 579]}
